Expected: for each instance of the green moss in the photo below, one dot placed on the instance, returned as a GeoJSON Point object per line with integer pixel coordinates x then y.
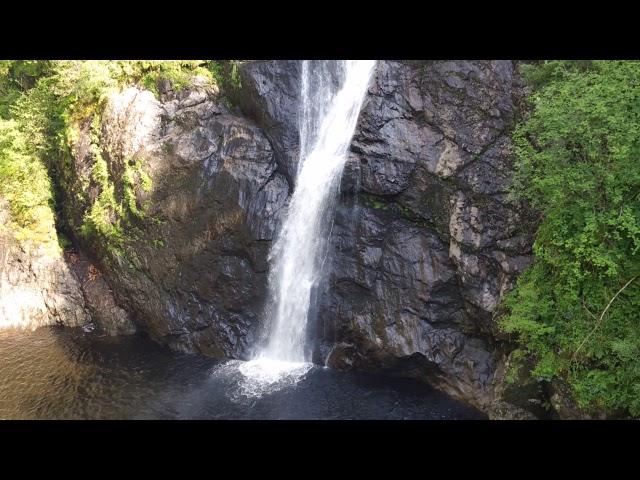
{"type": "Point", "coordinates": [167, 148]}
{"type": "Point", "coordinates": [111, 220]}
{"type": "Point", "coordinates": [63, 241]}
{"type": "Point", "coordinates": [102, 221]}
{"type": "Point", "coordinates": [373, 201]}
{"type": "Point", "coordinates": [406, 212]}
{"type": "Point", "coordinates": [515, 363]}
{"type": "Point", "coordinates": [234, 76]}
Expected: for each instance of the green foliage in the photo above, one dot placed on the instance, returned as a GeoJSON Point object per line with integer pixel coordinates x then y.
{"type": "Point", "coordinates": [543, 72]}
{"type": "Point", "coordinates": [227, 75]}
{"type": "Point", "coordinates": [372, 201]}
{"type": "Point", "coordinates": [25, 184]}
{"type": "Point", "coordinates": [178, 72]}
{"type": "Point", "coordinates": [72, 90]}
{"type": "Point", "coordinates": [90, 81]}
{"type": "Point", "coordinates": [577, 163]}
{"type": "Point", "coordinates": [48, 101]}
{"type": "Point", "coordinates": [515, 363]}
{"type": "Point", "coordinates": [16, 77]}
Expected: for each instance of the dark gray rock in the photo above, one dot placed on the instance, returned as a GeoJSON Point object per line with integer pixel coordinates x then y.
{"type": "Point", "coordinates": [270, 97]}
{"type": "Point", "coordinates": [425, 242]}
{"type": "Point", "coordinates": [193, 272]}
{"type": "Point", "coordinates": [106, 315]}
{"type": "Point", "coordinates": [422, 260]}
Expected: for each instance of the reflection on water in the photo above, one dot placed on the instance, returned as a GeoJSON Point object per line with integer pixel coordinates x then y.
{"type": "Point", "coordinates": [56, 373]}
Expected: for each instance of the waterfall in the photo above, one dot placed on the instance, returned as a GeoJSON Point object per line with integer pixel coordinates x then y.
{"type": "Point", "coordinates": [332, 93]}
{"type": "Point", "coordinates": [327, 123]}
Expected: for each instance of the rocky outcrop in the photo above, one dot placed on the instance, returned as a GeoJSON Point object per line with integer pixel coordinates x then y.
{"type": "Point", "coordinates": [42, 285]}
{"type": "Point", "coordinates": [36, 287]}
{"type": "Point", "coordinates": [193, 268]}
{"type": "Point", "coordinates": [425, 241]}
{"type": "Point", "coordinates": [105, 315]}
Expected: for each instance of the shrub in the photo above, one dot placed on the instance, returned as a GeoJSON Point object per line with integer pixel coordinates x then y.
{"type": "Point", "coordinates": [576, 310]}
{"type": "Point", "coordinates": [26, 186]}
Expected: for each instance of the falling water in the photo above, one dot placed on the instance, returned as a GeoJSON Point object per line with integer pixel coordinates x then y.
{"type": "Point", "coordinates": [331, 97]}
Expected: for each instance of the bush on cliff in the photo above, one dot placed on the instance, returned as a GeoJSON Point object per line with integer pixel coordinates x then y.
{"type": "Point", "coordinates": [576, 310]}
{"type": "Point", "coordinates": [25, 185]}
{"type": "Point", "coordinates": [46, 101]}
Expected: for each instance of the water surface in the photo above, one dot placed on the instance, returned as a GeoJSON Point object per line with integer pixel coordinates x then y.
{"type": "Point", "coordinates": [58, 373]}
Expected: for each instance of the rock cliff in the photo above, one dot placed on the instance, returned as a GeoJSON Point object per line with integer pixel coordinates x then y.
{"type": "Point", "coordinates": [193, 269]}
{"type": "Point", "coordinates": [425, 240]}
{"type": "Point", "coordinates": [42, 285]}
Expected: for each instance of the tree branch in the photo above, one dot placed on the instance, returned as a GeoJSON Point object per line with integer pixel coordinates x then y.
{"type": "Point", "coordinates": [601, 317]}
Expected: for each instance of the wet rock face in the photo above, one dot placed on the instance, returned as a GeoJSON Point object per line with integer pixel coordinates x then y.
{"type": "Point", "coordinates": [270, 97]}
{"type": "Point", "coordinates": [425, 241]}
{"type": "Point", "coordinates": [194, 271]}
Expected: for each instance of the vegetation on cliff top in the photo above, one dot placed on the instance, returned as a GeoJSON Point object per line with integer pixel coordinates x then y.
{"type": "Point", "coordinates": [31, 215]}
{"type": "Point", "coordinates": [42, 104]}
{"type": "Point", "coordinates": [25, 185]}
{"type": "Point", "coordinates": [576, 310]}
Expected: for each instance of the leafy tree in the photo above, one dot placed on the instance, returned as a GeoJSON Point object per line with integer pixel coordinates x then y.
{"type": "Point", "coordinates": [576, 310]}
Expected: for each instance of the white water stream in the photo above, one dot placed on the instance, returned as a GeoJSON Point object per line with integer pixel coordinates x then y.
{"type": "Point", "coordinates": [332, 93]}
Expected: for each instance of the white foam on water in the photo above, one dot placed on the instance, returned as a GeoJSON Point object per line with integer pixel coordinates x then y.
{"type": "Point", "coordinates": [258, 377]}
{"type": "Point", "coordinates": [266, 375]}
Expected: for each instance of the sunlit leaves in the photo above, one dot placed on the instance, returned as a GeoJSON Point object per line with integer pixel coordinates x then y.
{"type": "Point", "coordinates": [25, 185]}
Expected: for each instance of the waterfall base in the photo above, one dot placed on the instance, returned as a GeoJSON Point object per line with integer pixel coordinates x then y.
{"type": "Point", "coordinates": [264, 375]}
